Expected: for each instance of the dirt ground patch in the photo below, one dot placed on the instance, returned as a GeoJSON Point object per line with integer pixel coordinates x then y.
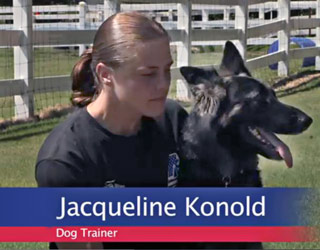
{"type": "Point", "coordinates": [295, 81]}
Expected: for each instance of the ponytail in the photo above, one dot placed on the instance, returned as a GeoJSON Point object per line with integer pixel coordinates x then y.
{"type": "Point", "coordinates": [83, 84]}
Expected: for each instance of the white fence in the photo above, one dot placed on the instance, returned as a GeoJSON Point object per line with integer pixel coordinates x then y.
{"type": "Point", "coordinates": [26, 33]}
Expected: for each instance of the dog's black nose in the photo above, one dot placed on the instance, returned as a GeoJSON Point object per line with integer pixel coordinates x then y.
{"type": "Point", "coordinates": [305, 121]}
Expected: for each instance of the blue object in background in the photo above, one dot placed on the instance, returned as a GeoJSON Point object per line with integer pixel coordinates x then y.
{"type": "Point", "coordinates": [302, 43]}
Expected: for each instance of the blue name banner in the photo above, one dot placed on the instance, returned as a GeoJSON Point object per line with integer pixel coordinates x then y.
{"type": "Point", "coordinates": [52, 207]}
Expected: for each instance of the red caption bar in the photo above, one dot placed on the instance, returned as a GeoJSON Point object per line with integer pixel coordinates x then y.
{"type": "Point", "coordinates": [158, 234]}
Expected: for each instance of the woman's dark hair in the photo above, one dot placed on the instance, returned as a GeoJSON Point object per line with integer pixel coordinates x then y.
{"type": "Point", "coordinates": [114, 44]}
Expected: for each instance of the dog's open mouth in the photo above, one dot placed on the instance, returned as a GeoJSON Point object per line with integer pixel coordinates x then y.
{"type": "Point", "coordinates": [272, 143]}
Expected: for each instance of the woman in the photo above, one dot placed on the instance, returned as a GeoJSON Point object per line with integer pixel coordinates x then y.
{"type": "Point", "coordinates": [125, 130]}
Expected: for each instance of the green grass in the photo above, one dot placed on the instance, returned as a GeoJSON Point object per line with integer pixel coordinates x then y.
{"type": "Point", "coordinates": [19, 146]}
{"type": "Point", "coordinates": [41, 101]}
{"type": "Point", "coordinates": [48, 62]}
{"type": "Point", "coordinates": [21, 245]}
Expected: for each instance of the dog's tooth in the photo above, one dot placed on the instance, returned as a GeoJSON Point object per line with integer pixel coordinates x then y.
{"type": "Point", "coordinates": [257, 134]}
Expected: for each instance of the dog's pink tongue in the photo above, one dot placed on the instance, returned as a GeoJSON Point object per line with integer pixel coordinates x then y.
{"type": "Point", "coordinates": [281, 147]}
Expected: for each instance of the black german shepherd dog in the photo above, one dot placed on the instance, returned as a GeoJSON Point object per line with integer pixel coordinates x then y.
{"type": "Point", "coordinates": [234, 118]}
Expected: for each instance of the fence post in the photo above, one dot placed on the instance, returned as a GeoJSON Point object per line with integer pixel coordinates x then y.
{"type": "Point", "coordinates": [226, 17]}
{"type": "Point", "coordinates": [284, 36]}
{"type": "Point", "coordinates": [261, 15]}
{"type": "Point", "coordinates": [111, 7]}
{"type": "Point", "coordinates": [205, 18]}
{"type": "Point", "coordinates": [318, 35]}
{"type": "Point", "coordinates": [23, 58]}
{"type": "Point", "coordinates": [184, 47]}
{"type": "Point", "coordinates": [241, 23]}
{"type": "Point", "coordinates": [170, 15]}
{"type": "Point", "coordinates": [83, 8]}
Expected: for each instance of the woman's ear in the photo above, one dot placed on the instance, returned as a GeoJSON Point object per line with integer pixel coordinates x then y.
{"type": "Point", "coordinates": [104, 74]}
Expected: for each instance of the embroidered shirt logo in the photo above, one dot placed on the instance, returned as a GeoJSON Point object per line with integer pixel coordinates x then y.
{"type": "Point", "coordinates": [173, 169]}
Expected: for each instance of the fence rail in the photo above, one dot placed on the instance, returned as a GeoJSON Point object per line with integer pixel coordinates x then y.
{"type": "Point", "coordinates": [183, 31]}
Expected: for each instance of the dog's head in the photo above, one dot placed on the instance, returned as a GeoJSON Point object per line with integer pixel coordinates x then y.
{"type": "Point", "coordinates": [244, 110]}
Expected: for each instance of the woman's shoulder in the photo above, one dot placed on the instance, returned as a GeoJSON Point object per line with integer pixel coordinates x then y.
{"type": "Point", "coordinates": [77, 126]}
{"type": "Point", "coordinates": [63, 133]}
{"type": "Point", "coordinates": [66, 141]}
{"type": "Point", "coordinates": [62, 160]}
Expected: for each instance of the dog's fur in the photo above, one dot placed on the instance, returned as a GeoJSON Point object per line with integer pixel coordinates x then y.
{"type": "Point", "coordinates": [216, 136]}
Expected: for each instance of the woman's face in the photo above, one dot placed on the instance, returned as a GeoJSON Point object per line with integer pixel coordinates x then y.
{"type": "Point", "coordinates": [143, 83]}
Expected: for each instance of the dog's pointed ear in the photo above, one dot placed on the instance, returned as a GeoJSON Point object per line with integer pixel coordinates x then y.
{"type": "Point", "coordinates": [232, 62]}
{"type": "Point", "coordinates": [195, 75]}
{"type": "Point", "coordinates": [201, 80]}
